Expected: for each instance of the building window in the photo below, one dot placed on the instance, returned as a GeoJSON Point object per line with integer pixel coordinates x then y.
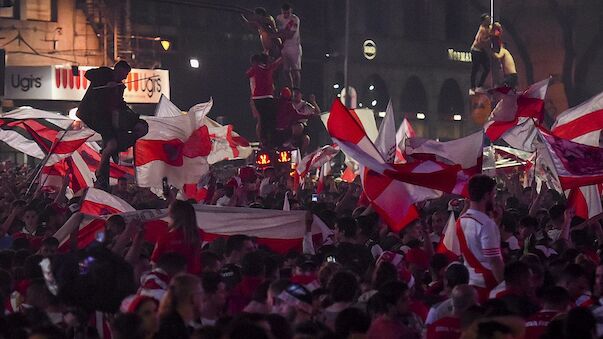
{"type": "Point", "coordinates": [41, 10]}
{"type": "Point", "coordinates": [10, 12]}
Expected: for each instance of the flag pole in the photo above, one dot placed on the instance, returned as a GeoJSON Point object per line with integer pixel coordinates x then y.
{"type": "Point", "coordinates": [45, 160]}
{"type": "Point", "coordinates": [348, 100]}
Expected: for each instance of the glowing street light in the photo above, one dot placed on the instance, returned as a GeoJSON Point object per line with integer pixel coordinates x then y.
{"type": "Point", "coordinates": [382, 114]}
{"type": "Point", "coordinates": [194, 62]}
{"type": "Point", "coordinates": [336, 86]}
{"type": "Point", "coordinates": [374, 103]}
{"type": "Point", "coordinates": [165, 44]}
{"type": "Point", "coordinates": [371, 87]}
{"type": "Point", "coordinates": [421, 116]}
{"type": "Point", "coordinates": [457, 117]}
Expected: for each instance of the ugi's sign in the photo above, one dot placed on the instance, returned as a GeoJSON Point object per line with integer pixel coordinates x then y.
{"type": "Point", "coordinates": [60, 83]}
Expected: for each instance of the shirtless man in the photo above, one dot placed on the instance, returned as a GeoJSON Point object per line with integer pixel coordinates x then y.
{"type": "Point", "coordinates": [508, 65]}
{"type": "Point", "coordinates": [479, 54]}
{"type": "Point", "coordinates": [266, 28]}
{"type": "Point", "coordinates": [288, 25]}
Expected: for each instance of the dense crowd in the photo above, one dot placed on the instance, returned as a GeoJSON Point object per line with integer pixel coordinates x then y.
{"type": "Point", "coordinates": [367, 281]}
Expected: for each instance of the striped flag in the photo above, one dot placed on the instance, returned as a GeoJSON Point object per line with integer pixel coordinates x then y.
{"type": "Point", "coordinates": [316, 159]}
{"type": "Point", "coordinates": [32, 131]}
{"type": "Point", "coordinates": [404, 132]}
{"type": "Point", "coordinates": [99, 202]}
{"type": "Point", "coordinates": [280, 230]}
{"type": "Point", "coordinates": [449, 245]}
{"type": "Point", "coordinates": [512, 112]}
{"type": "Point", "coordinates": [583, 123]}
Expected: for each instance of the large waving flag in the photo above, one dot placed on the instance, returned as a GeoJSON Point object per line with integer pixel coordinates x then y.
{"type": "Point", "coordinates": [226, 143]}
{"type": "Point", "coordinates": [345, 128]}
{"type": "Point", "coordinates": [99, 202]}
{"type": "Point", "coordinates": [393, 200]}
{"type": "Point", "coordinates": [575, 164]}
{"type": "Point", "coordinates": [69, 141]}
{"type": "Point", "coordinates": [463, 157]}
{"type": "Point", "coordinates": [176, 148]}
{"type": "Point", "coordinates": [316, 159]}
{"type": "Point", "coordinates": [280, 230]}
{"type": "Point", "coordinates": [583, 123]}
{"type": "Point", "coordinates": [512, 112]}
{"type": "Point", "coordinates": [32, 131]}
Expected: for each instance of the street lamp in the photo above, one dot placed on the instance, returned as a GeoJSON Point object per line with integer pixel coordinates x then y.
{"type": "Point", "coordinates": [194, 62]}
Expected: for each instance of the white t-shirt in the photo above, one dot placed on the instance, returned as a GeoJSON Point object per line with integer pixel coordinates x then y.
{"type": "Point", "coordinates": [513, 243]}
{"type": "Point", "coordinates": [483, 240]}
{"type": "Point", "coordinates": [289, 24]}
{"type": "Point", "coordinates": [304, 108]}
{"type": "Point", "coordinates": [439, 311]}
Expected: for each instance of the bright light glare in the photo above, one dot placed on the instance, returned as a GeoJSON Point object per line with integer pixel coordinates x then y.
{"type": "Point", "coordinates": [374, 103]}
{"type": "Point", "coordinates": [371, 87]}
{"type": "Point", "coordinates": [457, 117]}
{"type": "Point", "coordinates": [381, 114]}
{"type": "Point", "coordinates": [336, 86]}
{"type": "Point", "coordinates": [359, 104]}
{"type": "Point", "coordinates": [421, 116]}
{"type": "Point", "coordinates": [194, 62]}
{"type": "Point", "coordinates": [165, 44]}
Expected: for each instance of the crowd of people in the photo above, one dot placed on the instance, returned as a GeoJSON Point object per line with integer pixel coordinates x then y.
{"type": "Point", "coordinates": [529, 268]}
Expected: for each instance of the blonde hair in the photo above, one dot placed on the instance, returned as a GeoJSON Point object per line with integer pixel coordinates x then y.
{"type": "Point", "coordinates": [181, 289]}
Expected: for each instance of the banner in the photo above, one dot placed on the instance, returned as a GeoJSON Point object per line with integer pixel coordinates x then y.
{"type": "Point", "coordinates": [58, 83]}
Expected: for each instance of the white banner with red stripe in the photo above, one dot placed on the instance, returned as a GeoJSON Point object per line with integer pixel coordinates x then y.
{"type": "Point", "coordinates": [279, 230]}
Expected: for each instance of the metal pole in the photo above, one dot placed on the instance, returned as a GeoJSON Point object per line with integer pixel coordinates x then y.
{"type": "Point", "coordinates": [492, 11]}
{"type": "Point", "coordinates": [346, 54]}
{"type": "Point", "coordinates": [45, 160]}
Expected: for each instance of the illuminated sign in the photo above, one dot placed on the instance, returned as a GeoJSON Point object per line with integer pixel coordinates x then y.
{"type": "Point", "coordinates": [278, 157]}
{"type": "Point", "coordinates": [263, 159]}
{"type": "Point", "coordinates": [284, 157]}
{"type": "Point", "coordinates": [460, 56]}
{"type": "Point", "coordinates": [369, 49]}
{"type": "Point", "coordinates": [60, 83]}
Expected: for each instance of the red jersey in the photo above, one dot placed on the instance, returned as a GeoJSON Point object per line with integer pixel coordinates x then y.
{"type": "Point", "coordinates": [445, 328]}
{"type": "Point", "coordinates": [173, 241]}
{"type": "Point", "coordinates": [261, 81]}
{"type": "Point", "coordinates": [537, 323]}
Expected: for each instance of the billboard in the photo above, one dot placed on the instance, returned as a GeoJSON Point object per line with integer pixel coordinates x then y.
{"type": "Point", "coordinates": [59, 83]}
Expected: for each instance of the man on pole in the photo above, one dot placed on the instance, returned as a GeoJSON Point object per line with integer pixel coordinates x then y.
{"type": "Point", "coordinates": [104, 110]}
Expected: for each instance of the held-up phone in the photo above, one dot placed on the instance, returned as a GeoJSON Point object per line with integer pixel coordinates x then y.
{"type": "Point", "coordinates": [314, 197]}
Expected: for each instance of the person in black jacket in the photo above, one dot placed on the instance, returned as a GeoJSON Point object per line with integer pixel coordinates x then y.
{"type": "Point", "coordinates": [104, 110]}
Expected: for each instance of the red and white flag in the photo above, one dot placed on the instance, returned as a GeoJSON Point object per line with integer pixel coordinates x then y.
{"type": "Point", "coordinates": [404, 132]}
{"type": "Point", "coordinates": [99, 202]}
{"type": "Point", "coordinates": [325, 170]}
{"type": "Point", "coordinates": [226, 144]}
{"type": "Point", "coordinates": [74, 166]}
{"type": "Point", "coordinates": [347, 131]}
{"type": "Point", "coordinates": [512, 112]}
{"type": "Point", "coordinates": [316, 159]}
{"type": "Point", "coordinates": [583, 123]}
{"type": "Point", "coordinates": [32, 131]}
{"type": "Point", "coordinates": [386, 138]}
{"type": "Point", "coordinates": [449, 245]}
{"type": "Point", "coordinates": [281, 231]}
{"type": "Point", "coordinates": [574, 164]}
{"type": "Point", "coordinates": [462, 156]}
{"type": "Point", "coordinates": [68, 142]}
{"type": "Point", "coordinates": [176, 148]}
